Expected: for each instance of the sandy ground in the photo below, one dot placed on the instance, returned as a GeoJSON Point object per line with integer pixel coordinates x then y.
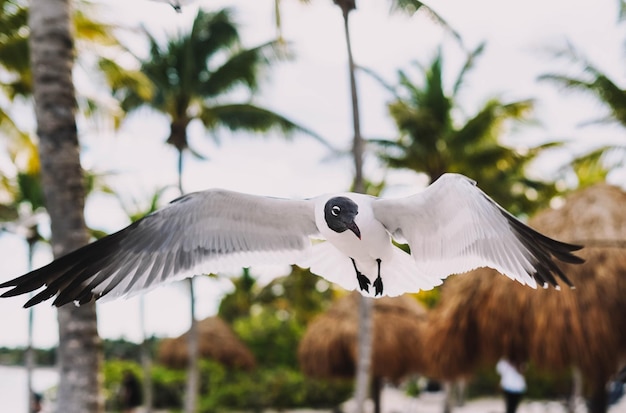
{"type": "Point", "coordinates": [395, 401]}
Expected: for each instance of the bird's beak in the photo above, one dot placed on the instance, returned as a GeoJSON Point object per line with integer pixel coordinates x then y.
{"type": "Point", "coordinates": [354, 228]}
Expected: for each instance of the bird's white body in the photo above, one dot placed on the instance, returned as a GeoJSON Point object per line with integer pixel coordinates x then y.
{"type": "Point", "coordinates": [332, 259]}
{"type": "Point", "coordinates": [451, 227]}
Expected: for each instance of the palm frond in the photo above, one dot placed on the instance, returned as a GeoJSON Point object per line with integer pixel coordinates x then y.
{"type": "Point", "coordinates": [592, 81]}
{"type": "Point", "coordinates": [242, 69]}
{"type": "Point", "coordinates": [469, 64]}
{"type": "Point", "coordinates": [370, 72]}
{"type": "Point", "coordinates": [212, 32]}
{"type": "Point", "coordinates": [14, 53]}
{"type": "Point", "coordinates": [131, 87]}
{"type": "Point", "coordinates": [486, 123]}
{"type": "Point", "coordinates": [251, 118]}
{"type": "Point", "coordinates": [414, 6]}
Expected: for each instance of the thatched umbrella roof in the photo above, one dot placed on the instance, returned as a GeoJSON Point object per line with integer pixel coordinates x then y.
{"type": "Point", "coordinates": [216, 341]}
{"type": "Point", "coordinates": [483, 315]}
{"type": "Point", "coordinates": [329, 346]}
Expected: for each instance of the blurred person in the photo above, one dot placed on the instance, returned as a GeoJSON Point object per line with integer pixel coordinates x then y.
{"type": "Point", "coordinates": [512, 383]}
{"type": "Point", "coordinates": [130, 392]}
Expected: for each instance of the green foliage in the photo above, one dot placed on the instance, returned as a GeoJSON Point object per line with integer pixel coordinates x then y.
{"type": "Point", "coordinates": [14, 47]}
{"type": "Point", "coordinates": [16, 357]}
{"type": "Point", "coordinates": [277, 388]}
{"type": "Point", "coordinates": [238, 303]}
{"type": "Point", "coordinates": [301, 294]}
{"type": "Point", "coordinates": [168, 385]}
{"type": "Point", "coordinates": [271, 336]}
{"type": "Point", "coordinates": [271, 320]}
{"type": "Point", "coordinates": [120, 349]}
{"type": "Point", "coordinates": [30, 190]}
{"type": "Point", "coordinates": [224, 389]}
{"type": "Point", "coordinates": [542, 384]}
{"type": "Point", "coordinates": [192, 76]}
{"type": "Point", "coordinates": [593, 166]}
{"type": "Point", "coordinates": [412, 387]}
{"type": "Point", "coordinates": [429, 297]}
{"type": "Point", "coordinates": [433, 141]}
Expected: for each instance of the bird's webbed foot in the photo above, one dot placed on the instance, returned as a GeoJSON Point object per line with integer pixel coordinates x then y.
{"type": "Point", "coordinates": [378, 285]}
{"type": "Point", "coordinates": [364, 282]}
{"type": "Point", "coordinates": [378, 282]}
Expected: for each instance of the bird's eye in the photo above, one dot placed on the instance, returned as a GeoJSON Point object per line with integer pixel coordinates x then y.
{"type": "Point", "coordinates": [335, 211]}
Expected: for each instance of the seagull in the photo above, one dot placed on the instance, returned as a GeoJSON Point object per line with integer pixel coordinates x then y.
{"type": "Point", "coordinates": [451, 227]}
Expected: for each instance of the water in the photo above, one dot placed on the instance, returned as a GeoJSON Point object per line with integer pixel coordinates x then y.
{"type": "Point", "coordinates": [13, 391]}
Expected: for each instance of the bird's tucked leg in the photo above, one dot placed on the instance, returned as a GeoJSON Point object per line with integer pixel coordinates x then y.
{"type": "Point", "coordinates": [378, 282]}
{"type": "Point", "coordinates": [364, 282]}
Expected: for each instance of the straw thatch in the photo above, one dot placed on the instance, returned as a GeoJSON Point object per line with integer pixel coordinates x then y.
{"type": "Point", "coordinates": [216, 341]}
{"type": "Point", "coordinates": [483, 315]}
{"type": "Point", "coordinates": [329, 346]}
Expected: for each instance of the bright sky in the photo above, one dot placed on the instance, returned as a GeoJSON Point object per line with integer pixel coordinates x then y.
{"type": "Point", "coordinates": [313, 90]}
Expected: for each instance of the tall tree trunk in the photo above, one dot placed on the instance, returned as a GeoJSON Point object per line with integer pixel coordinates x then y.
{"type": "Point", "coordinates": [52, 59]}
{"type": "Point", "coordinates": [357, 142]}
{"type": "Point", "coordinates": [193, 371]}
{"type": "Point", "coordinates": [146, 358]}
{"type": "Point", "coordinates": [447, 400]}
{"type": "Point", "coordinates": [30, 352]}
{"type": "Point", "coordinates": [362, 379]}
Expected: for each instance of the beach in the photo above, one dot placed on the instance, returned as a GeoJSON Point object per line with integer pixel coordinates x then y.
{"type": "Point", "coordinates": [14, 398]}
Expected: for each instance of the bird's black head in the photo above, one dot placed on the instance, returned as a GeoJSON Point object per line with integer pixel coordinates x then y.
{"type": "Point", "coordinates": [339, 213]}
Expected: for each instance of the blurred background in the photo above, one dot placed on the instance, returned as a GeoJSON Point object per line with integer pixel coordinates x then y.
{"type": "Point", "coordinates": [525, 98]}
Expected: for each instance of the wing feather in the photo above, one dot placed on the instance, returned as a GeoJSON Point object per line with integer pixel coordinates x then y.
{"type": "Point", "coordinates": [454, 227]}
{"type": "Point", "coordinates": [203, 232]}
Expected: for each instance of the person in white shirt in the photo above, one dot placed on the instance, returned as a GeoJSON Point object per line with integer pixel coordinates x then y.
{"type": "Point", "coordinates": [512, 383]}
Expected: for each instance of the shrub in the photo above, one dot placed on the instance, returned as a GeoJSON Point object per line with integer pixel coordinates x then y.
{"type": "Point", "coordinates": [168, 385]}
{"type": "Point", "coordinates": [279, 388]}
{"type": "Point", "coordinates": [226, 389]}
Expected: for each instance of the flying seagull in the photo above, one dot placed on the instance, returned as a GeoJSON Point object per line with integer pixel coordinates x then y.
{"type": "Point", "coordinates": [451, 227]}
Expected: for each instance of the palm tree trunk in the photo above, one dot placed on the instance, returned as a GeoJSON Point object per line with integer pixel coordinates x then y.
{"type": "Point", "coordinates": [52, 58]}
{"type": "Point", "coordinates": [357, 142]}
{"type": "Point", "coordinates": [447, 401]}
{"type": "Point", "coordinates": [193, 372]}
{"type": "Point", "coordinates": [30, 353]}
{"type": "Point", "coordinates": [146, 359]}
{"type": "Point", "coordinates": [362, 379]}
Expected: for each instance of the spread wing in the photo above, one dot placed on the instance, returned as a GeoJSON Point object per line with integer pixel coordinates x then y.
{"type": "Point", "coordinates": [203, 232]}
{"type": "Point", "coordinates": [453, 227]}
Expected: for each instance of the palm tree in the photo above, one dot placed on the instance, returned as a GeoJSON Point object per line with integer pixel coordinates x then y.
{"type": "Point", "coordinates": [52, 58]}
{"type": "Point", "coordinates": [13, 58]}
{"type": "Point", "coordinates": [594, 166]}
{"type": "Point", "coordinates": [92, 38]}
{"type": "Point", "coordinates": [190, 82]}
{"type": "Point", "coordinates": [432, 141]}
{"type": "Point", "coordinates": [36, 51]}
{"type": "Point", "coordinates": [365, 324]}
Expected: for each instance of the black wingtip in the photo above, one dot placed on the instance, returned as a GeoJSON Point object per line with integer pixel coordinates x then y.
{"type": "Point", "coordinates": [545, 251]}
